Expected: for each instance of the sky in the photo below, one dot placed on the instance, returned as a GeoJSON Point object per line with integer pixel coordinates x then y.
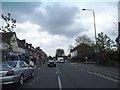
{"type": "Point", "coordinates": [55, 24]}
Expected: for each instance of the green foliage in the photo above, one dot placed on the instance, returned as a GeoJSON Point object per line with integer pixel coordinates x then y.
{"type": "Point", "coordinates": [50, 57]}
{"type": "Point", "coordinates": [74, 59]}
{"type": "Point", "coordinates": [84, 51]}
{"type": "Point", "coordinates": [59, 52]}
{"type": "Point", "coordinates": [104, 42]}
{"type": "Point", "coordinates": [90, 50]}
{"type": "Point", "coordinates": [10, 23]}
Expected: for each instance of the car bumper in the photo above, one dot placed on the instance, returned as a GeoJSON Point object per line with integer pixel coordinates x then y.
{"type": "Point", "coordinates": [9, 79]}
{"type": "Point", "coordinates": [51, 64]}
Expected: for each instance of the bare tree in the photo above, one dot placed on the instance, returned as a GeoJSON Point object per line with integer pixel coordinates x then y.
{"type": "Point", "coordinates": [10, 23]}
{"type": "Point", "coordinates": [84, 39]}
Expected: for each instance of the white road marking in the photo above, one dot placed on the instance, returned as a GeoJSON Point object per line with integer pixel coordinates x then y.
{"type": "Point", "coordinates": [81, 69]}
{"type": "Point", "coordinates": [59, 82]}
{"type": "Point", "coordinates": [73, 63]}
{"type": "Point", "coordinates": [109, 78]}
{"type": "Point", "coordinates": [57, 71]}
{"type": "Point", "coordinates": [90, 72]}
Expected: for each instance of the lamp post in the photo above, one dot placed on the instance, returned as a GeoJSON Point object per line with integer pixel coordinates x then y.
{"type": "Point", "coordinates": [94, 21]}
{"type": "Point", "coordinates": [96, 48]}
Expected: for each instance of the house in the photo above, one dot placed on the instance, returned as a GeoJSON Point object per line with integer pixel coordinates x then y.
{"type": "Point", "coordinates": [118, 38]}
{"type": "Point", "coordinates": [21, 49]}
{"type": "Point", "coordinates": [13, 48]}
{"type": "Point", "coordinates": [73, 52]}
{"type": "Point", "coordinates": [9, 45]}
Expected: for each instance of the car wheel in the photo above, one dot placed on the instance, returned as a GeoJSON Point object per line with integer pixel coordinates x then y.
{"type": "Point", "coordinates": [32, 74]}
{"type": "Point", "coordinates": [21, 80]}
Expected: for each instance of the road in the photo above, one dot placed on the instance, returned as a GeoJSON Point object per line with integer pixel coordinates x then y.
{"type": "Point", "coordinates": [66, 75]}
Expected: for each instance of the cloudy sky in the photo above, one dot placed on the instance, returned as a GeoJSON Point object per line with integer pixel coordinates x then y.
{"type": "Point", "coordinates": [56, 24]}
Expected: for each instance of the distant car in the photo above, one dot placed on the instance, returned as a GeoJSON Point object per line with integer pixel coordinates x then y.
{"type": "Point", "coordinates": [15, 72]}
{"type": "Point", "coordinates": [66, 60]}
{"type": "Point", "coordinates": [61, 61]}
{"type": "Point", "coordinates": [51, 63]}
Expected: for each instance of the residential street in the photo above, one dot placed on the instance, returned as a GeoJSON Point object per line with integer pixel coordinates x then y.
{"type": "Point", "coordinates": [59, 44]}
{"type": "Point", "coordinates": [66, 75]}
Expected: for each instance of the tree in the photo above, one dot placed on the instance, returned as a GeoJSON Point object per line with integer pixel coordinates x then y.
{"type": "Point", "coordinates": [107, 56]}
{"type": "Point", "coordinates": [83, 51]}
{"type": "Point", "coordinates": [104, 42]}
{"type": "Point", "coordinates": [50, 57]}
{"type": "Point", "coordinates": [84, 39]}
{"type": "Point", "coordinates": [59, 52]}
{"type": "Point", "coordinates": [10, 23]}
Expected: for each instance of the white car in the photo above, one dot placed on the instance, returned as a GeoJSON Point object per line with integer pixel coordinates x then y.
{"type": "Point", "coordinates": [61, 61]}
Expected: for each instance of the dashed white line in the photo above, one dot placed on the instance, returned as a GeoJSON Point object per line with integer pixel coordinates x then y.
{"type": "Point", "coordinates": [57, 71]}
{"type": "Point", "coordinates": [81, 69]}
{"type": "Point", "coordinates": [59, 82]}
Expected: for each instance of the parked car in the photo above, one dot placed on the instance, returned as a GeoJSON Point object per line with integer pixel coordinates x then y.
{"type": "Point", "coordinates": [15, 72]}
{"type": "Point", "coordinates": [51, 63]}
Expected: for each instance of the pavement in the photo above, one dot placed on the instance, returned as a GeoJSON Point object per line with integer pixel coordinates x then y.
{"type": "Point", "coordinates": [100, 69]}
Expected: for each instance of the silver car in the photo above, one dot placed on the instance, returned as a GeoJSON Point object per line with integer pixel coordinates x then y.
{"type": "Point", "coordinates": [15, 72]}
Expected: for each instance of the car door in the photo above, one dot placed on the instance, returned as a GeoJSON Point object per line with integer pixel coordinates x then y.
{"type": "Point", "coordinates": [29, 69]}
{"type": "Point", "coordinates": [24, 69]}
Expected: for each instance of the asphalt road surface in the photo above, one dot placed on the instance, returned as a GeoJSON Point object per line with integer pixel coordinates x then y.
{"type": "Point", "coordinates": [66, 75]}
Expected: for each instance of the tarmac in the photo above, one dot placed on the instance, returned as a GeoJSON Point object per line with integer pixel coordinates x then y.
{"type": "Point", "coordinates": [100, 69]}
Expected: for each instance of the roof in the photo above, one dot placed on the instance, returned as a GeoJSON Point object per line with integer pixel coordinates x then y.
{"type": "Point", "coordinates": [7, 36]}
{"type": "Point", "coordinates": [21, 43]}
{"type": "Point", "coordinates": [77, 47]}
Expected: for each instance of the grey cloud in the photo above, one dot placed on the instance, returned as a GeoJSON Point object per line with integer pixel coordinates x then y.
{"type": "Point", "coordinates": [57, 20]}
{"type": "Point", "coordinates": [19, 10]}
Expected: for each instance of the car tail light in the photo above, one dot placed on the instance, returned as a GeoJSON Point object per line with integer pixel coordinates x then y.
{"type": "Point", "coordinates": [10, 73]}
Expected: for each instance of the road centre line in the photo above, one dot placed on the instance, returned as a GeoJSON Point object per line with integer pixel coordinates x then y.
{"type": "Point", "coordinates": [59, 82]}
{"type": "Point", "coordinates": [57, 71]}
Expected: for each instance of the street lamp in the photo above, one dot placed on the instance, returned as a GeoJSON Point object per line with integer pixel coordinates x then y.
{"type": "Point", "coordinates": [96, 49]}
{"type": "Point", "coordinates": [94, 21]}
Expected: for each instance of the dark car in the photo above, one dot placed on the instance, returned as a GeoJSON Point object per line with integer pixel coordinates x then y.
{"type": "Point", "coordinates": [51, 63]}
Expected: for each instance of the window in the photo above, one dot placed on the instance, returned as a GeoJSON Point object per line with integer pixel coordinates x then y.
{"type": "Point", "coordinates": [22, 65]}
